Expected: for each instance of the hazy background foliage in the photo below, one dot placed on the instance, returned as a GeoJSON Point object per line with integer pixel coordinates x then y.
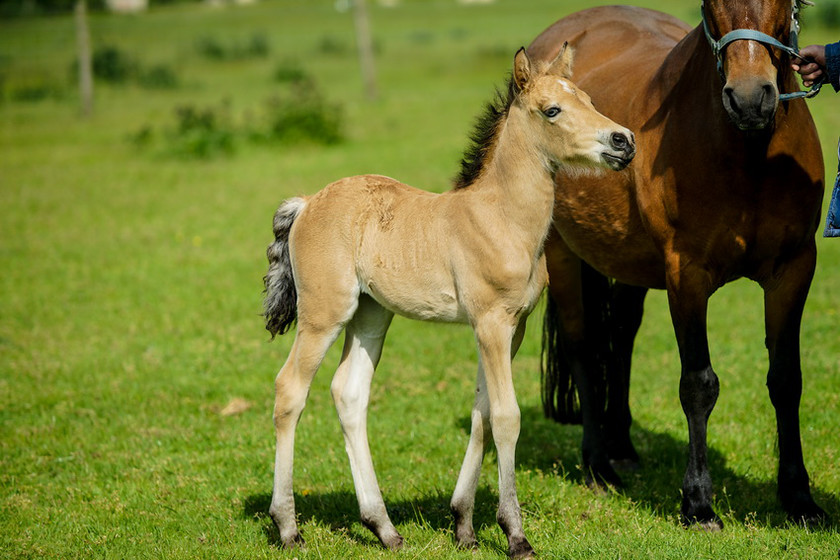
{"type": "Point", "coordinates": [135, 375]}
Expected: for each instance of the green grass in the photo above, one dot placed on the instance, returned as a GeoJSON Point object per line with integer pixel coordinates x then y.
{"type": "Point", "coordinates": [130, 301]}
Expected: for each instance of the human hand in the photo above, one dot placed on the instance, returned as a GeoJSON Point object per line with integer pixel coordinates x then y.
{"type": "Point", "coordinates": [812, 65]}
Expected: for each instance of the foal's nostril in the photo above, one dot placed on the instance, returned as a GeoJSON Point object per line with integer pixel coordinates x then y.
{"type": "Point", "coordinates": [619, 141]}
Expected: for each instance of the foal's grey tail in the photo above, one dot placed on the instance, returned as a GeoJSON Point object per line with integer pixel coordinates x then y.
{"type": "Point", "coordinates": [280, 293]}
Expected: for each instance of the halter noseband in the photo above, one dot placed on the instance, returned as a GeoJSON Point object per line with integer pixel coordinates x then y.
{"type": "Point", "coordinates": [754, 35]}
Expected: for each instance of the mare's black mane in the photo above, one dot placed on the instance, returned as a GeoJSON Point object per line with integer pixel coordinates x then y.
{"type": "Point", "coordinates": [484, 135]}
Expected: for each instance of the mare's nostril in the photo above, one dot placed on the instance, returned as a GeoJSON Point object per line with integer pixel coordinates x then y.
{"type": "Point", "coordinates": [729, 95]}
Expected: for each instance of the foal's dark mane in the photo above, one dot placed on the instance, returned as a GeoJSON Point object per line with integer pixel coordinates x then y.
{"type": "Point", "coordinates": [484, 136]}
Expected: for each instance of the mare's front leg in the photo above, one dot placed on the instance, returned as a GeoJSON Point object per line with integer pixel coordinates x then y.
{"type": "Point", "coordinates": [688, 294]}
{"type": "Point", "coordinates": [784, 300]}
{"type": "Point", "coordinates": [463, 498]}
{"type": "Point", "coordinates": [365, 335]}
{"type": "Point", "coordinates": [494, 332]}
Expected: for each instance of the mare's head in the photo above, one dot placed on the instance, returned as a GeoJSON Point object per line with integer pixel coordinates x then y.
{"type": "Point", "coordinates": [561, 119]}
{"type": "Point", "coordinates": [751, 65]}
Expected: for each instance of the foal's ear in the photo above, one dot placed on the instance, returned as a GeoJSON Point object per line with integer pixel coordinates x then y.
{"type": "Point", "coordinates": [521, 69]}
{"type": "Point", "coordinates": [562, 64]}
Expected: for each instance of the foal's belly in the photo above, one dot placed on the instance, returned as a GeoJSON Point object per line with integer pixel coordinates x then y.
{"type": "Point", "coordinates": [417, 295]}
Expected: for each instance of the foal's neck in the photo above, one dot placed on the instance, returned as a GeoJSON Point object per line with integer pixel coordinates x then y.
{"type": "Point", "coordinates": [520, 172]}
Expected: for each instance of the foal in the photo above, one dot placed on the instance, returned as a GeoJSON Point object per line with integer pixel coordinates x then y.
{"type": "Point", "coordinates": [364, 248]}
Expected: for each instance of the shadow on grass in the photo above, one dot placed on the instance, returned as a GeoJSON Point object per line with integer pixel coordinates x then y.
{"type": "Point", "coordinates": [340, 512]}
{"type": "Point", "coordinates": [551, 447]}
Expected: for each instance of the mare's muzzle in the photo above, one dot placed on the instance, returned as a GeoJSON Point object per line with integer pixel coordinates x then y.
{"type": "Point", "coordinates": [750, 103]}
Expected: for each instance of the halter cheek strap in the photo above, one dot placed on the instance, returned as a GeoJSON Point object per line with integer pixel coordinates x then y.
{"type": "Point", "coordinates": [753, 35]}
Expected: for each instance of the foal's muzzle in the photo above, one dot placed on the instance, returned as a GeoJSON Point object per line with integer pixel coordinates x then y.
{"type": "Point", "coordinates": [622, 150]}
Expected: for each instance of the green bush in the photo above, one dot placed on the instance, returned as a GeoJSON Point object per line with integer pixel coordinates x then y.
{"type": "Point", "coordinates": [290, 72]}
{"type": "Point", "coordinates": [257, 46]}
{"type": "Point", "coordinates": [828, 13]}
{"type": "Point", "coordinates": [304, 115]}
{"type": "Point", "coordinates": [202, 133]}
{"type": "Point", "coordinates": [159, 76]}
{"type": "Point", "coordinates": [111, 64]}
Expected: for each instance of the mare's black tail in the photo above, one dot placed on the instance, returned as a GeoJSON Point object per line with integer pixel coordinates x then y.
{"type": "Point", "coordinates": [560, 398]}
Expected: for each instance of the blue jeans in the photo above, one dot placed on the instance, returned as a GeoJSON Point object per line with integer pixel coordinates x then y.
{"type": "Point", "coordinates": [832, 220]}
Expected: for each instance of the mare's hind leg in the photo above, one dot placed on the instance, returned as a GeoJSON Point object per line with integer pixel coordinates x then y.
{"type": "Point", "coordinates": [463, 498]}
{"type": "Point", "coordinates": [580, 345]}
{"type": "Point", "coordinates": [626, 309]}
{"type": "Point", "coordinates": [291, 389]}
{"type": "Point", "coordinates": [784, 300]}
{"type": "Point", "coordinates": [365, 335]}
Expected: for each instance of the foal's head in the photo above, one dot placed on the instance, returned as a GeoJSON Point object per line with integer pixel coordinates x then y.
{"type": "Point", "coordinates": [561, 119]}
{"type": "Point", "coordinates": [750, 65]}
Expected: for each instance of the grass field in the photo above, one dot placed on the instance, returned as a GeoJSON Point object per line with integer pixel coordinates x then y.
{"type": "Point", "coordinates": [130, 301]}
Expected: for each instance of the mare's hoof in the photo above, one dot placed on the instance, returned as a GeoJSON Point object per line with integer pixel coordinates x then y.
{"type": "Point", "coordinates": [603, 478]}
{"type": "Point", "coordinates": [625, 465]}
{"type": "Point", "coordinates": [707, 522]}
{"type": "Point", "coordinates": [802, 509]}
{"type": "Point", "coordinates": [812, 516]}
{"type": "Point", "coordinates": [520, 549]}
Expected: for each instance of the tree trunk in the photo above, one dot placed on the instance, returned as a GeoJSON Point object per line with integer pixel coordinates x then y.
{"type": "Point", "coordinates": [85, 63]}
{"type": "Point", "coordinates": [365, 43]}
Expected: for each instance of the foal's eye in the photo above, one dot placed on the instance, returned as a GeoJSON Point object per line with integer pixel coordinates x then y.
{"type": "Point", "coordinates": [551, 112]}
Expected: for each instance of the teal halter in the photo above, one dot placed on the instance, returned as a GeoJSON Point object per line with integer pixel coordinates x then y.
{"type": "Point", "coordinates": [753, 35]}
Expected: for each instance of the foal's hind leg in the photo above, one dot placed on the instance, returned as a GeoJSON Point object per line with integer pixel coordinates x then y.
{"type": "Point", "coordinates": [365, 335]}
{"type": "Point", "coordinates": [291, 389]}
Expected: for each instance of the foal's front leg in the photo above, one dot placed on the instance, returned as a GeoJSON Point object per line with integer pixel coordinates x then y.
{"type": "Point", "coordinates": [496, 342]}
{"type": "Point", "coordinates": [463, 499]}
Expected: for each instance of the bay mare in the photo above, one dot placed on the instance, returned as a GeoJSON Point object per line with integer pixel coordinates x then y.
{"type": "Point", "coordinates": [364, 248]}
{"type": "Point", "coordinates": [728, 183]}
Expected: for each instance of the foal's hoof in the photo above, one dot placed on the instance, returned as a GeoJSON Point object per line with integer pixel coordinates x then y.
{"type": "Point", "coordinates": [292, 541]}
{"type": "Point", "coordinates": [465, 539]}
{"type": "Point", "coordinates": [520, 549]}
{"type": "Point", "coordinates": [392, 542]}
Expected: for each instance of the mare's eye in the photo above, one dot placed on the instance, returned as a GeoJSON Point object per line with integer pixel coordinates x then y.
{"type": "Point", "coordinates": [551, 112]}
